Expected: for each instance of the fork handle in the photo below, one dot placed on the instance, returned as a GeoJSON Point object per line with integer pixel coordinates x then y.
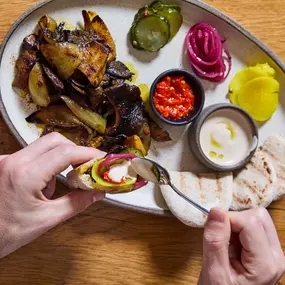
{"type": "Point", "coordinates": [197, 206]}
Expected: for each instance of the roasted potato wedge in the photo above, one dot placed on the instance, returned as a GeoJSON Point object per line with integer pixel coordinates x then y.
{"type": "Point", "coordinates": [103, 32]}
{"type": "Point", "coordinates": [46, 22]}
{"type": "Point", "coordinates": [55, 115]}
{"type": "Point", "coordinates": [101, 75]}
{"type": "Point", "coordinates": [48, 25]}
{"type": "Point", "coordinates": [24, 65]}
{"type": "Point", "coordinates": [87, 20]}
{"type": "Point", "coordinates": [91, 15]}
{"type": "Point", "coordinates": [94, 62]}
{"type": "Point", "coordinates": [145, 136]}
{"type": "Point", "coordinates": [93, 23]}
{"type": "Point", "coordinates": [38, 86]}
{"type": "Point", "coordinates": [86, 116]}
{"type": "Point", "coordinates": [135, 142]}
{"type": "Point", "coordinates": [65, 57]}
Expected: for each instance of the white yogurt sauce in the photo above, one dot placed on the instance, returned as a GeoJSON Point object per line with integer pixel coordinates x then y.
{"type": "Point", "coordinates": [226, 137]}
{"type": "Point", "coordinates": [123, 171]}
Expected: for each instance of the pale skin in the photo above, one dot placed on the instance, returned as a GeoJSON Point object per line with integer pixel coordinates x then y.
{"type": "Point", "coordinates": [239, 248]}
{"type": "Point", "coordinates": [27, 184]}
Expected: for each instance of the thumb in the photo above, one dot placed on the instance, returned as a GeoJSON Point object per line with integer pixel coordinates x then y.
{"type": "Point", "coordinates": [70, 205]}
{"type": "Point", "coordinates": [216, 241]}
{"type": "Point", "coordinates": [2, 157]}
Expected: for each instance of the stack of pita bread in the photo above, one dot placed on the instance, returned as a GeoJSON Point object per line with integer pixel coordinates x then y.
{"type": "Point", "coordinates": [260, 182]}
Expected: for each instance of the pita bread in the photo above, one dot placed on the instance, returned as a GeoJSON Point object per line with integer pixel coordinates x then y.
{"type": "Point", "coordinates": [274, 147]}
{"type": "Point", "coordinates": [254, 185]}
{"type": "Point", "coordinates": [209, 190]}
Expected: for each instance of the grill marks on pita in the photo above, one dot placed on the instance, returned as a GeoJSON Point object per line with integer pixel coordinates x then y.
{"type": "Point", "coordinates": [274, 148]}
{"type": "Point", "coordinates": [254, 185]}
{"type": "Point", "coordinates": [210, 190]}
{"type": "Point", "coordinates": [263, 178]}
{"type": "Point", "coordinates": [200, 188]}
{"type": "Point", "coordinates": [260, 182]}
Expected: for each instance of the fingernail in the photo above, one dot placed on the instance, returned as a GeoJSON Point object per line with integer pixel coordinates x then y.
{"type": "Point", "coordinates": [217, 215]}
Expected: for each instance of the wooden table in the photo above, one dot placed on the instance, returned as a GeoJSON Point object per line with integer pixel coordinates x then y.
{"type": "Point", "coordinates": [109, 245]}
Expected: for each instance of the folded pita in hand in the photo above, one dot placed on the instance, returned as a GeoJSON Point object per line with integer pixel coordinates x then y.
{"type": "Point", "coordinates": [254, 185]}
{"type": "Point", "coordinates": [274, 148]}
{"type": "Point", "coordinates": [208, 190]}
{"type": "Point", "coordinates": [80, 178]}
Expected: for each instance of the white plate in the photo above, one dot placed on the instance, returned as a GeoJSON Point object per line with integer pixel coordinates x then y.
{"type": "Point", "coordinates": [118, 15]}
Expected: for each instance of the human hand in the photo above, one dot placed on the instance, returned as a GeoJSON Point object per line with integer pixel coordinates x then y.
{"type": "Point", "coordinates": [241, 249]}
{"type": "Point", "coordinates": [27, 183]}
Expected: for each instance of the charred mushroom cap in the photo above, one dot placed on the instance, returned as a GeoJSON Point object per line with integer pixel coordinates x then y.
{"type": "Point", "coordinates": [129, 108]}
{"type": "Point", "coordinates": [119, 70]}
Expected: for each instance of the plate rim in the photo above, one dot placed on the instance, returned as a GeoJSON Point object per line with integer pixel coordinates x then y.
{"type": "Point", "coordinates": [204, 6]}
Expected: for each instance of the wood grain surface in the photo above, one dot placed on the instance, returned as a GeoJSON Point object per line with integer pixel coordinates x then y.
{"type": "Point", "coordinates": [110, 245]}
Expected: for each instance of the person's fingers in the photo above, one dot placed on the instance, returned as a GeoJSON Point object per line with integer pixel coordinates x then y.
{"type": "Point", "coordinates": [2, 157]}
{"type": "Point", "coordinates": [40, 146]}
{"type": "Point", "coordinates": [66, 207]}
{"type": "Point", "coordinates": [235, 252]}
{"type": "Point", "coordinates": [60, 158]}
{"type": "Point", "coordinates": [217, 235]}
{"type": "Point", "coordinates": [235, 247]}
{"type": "Point", "coordinates": [270, 230]}
{"type": "Point", "coordinates": [50, 189]}
{"type": "Point", "coordinates": [261, 250]}
{"type": "Point", "coordinates": [251, 234]}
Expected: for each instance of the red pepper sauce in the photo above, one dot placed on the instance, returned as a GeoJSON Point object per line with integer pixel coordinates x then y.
{"type": "Point", "coordinates": [173, 97]}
